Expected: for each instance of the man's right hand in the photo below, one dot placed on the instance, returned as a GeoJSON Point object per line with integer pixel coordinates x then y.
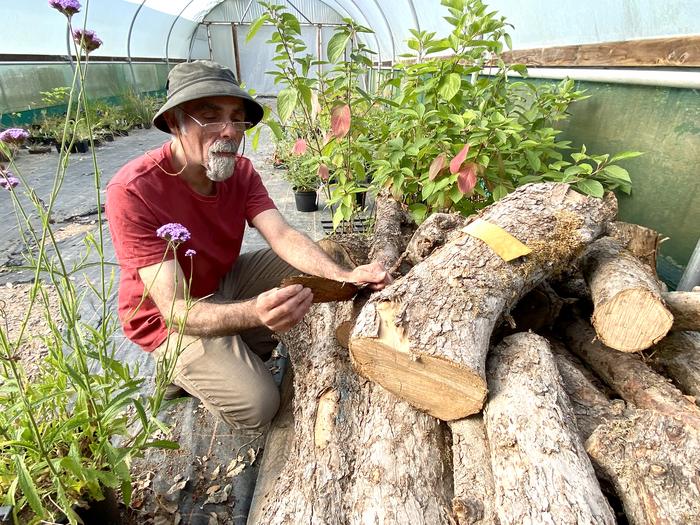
{"type": "Point", "coordinates": [280, 309]}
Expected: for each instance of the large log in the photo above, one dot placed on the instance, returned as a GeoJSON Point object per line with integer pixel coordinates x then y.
{"type": "Point", "coordinates": [629, 313]}
{"type": "Point", "coordinates": [678, 356]}
{"type": "Point", "coordinates": [685, 307]}
{"type": "Point", "coordinates": [474, 498]}
{"type": "Point", "coordinates": [425, 337]}
{"type": "Point", "coordinates": [652, 461]}
{"type": "Point", "coordinates": [629, 376]}
{"type": "Point", "coordinates": [359, 454]}
{"type": "Point", "coordinates": [540, 468]}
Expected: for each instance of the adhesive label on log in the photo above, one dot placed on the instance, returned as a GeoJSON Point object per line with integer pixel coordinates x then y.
{"type": "Point", "coordinates": [500, 241]}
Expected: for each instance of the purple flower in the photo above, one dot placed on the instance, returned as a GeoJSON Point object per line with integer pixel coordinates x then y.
{"type": "Point", "coordinates": [190, 253]}
{"type": "Point", "coordinates": [14, 136]}
{"type": "Point", "coordinates": [67, 7]}
{"type": "Point", "coordinates": [173, 232]}
{"type": "Point", "coordinates": [8, 181]}
{"type": "Point", "coordinates": [87, 39]}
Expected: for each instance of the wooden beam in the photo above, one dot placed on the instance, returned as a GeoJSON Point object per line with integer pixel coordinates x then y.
{"type": "Point", "coordinates": [680, 51]}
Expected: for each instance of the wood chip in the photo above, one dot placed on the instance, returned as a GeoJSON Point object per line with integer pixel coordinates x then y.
{"type": "Point", "coordinates": [324, 290]}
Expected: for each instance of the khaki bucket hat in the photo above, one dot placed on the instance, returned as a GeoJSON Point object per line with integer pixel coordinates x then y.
{"type": "Point", "coordinates": [199, 79]}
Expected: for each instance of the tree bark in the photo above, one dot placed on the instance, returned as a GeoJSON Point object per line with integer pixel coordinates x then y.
{"type": "Point", "coordinates": [425, 337]}
{"type": "Point", "coordinates": [652, 460]}
{"type": "Point", "coordinates": [590, 405]}
{"type": "Point", "coordinates": [629, 313]}
{"type": "Point", "coordinates": [640, 241]}
{"type": "Point", "coordinates": [474, 498]}
{"type": "Point", "coordinates": [629, 376]}
{"type": "Point", "coordinates": [434, 232]}
{"type": "Point", "coordinates": [685, 307]}
{"type": "Point", "coordinates": [678, 356]}
{"type": "Point", "coordinates": [359, 454]}
{"type": "Point", "coordinates": [279, 440]}
{"type": "Point", "coordinates": [540, 468]}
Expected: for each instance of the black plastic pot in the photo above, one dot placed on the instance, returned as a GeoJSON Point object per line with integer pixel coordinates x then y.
{"type": "Point", "coordinates": [306, 200]}
{"type": "Point", "coordinates": [103, 512]}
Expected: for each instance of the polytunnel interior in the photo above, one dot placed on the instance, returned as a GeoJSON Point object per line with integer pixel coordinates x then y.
{"type": "Point", "coordinates": [143, 39]}
{"type": "Point", "coordinates": [636, 64]}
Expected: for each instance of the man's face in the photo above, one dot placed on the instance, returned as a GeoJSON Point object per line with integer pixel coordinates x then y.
{"type": "Point", "coordinates": [214, 150]}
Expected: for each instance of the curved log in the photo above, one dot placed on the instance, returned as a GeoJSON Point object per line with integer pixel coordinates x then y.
{"type": "Point", "coordinates": [425, 337]}
{"type": "Point", "coordinates": [540, 468]}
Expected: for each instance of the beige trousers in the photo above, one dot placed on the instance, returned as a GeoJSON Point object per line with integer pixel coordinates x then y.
{"type": "Point", "coordinates": [227, 373]}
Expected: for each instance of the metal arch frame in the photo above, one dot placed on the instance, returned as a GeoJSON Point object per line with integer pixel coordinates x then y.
{"type": "Point", "coordinates": [170, 32]}
{"type": "Point", "coordinates": [128, 42]}
{"type": "Point", "coordinates": [341, 7]}
{"type": "Point", "coordinates": [391, 33]}
{"type": "Point", "coordinates": [338, 6]}
{"type": "Point", "coordinates": [414, 13]}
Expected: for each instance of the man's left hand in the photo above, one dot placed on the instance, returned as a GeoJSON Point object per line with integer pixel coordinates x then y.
{"type": "Point", "coordinates": [372, 274]}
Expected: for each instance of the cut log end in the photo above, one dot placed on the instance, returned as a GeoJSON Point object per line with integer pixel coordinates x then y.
{"type": "Point", "coordinates": [433, 385]}
{"type": "Point", "coordinates": [632, 321]}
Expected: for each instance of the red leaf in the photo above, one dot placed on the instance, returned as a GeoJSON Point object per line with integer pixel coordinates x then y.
{"type": "Point", "coordinates": [299, 147]}
{"type": "Point", "coordinates": [437, 166]}
{"type": "Point", "coordinates": [456, 162]}
{"type": "Point", "coordinates": [340, 121]}
{"type": "Point", "coordinates": [323, 172]}
{"type": "Point", "coordinates": [466, 180]}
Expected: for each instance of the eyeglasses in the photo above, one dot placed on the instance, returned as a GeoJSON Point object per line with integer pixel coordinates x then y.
{"type": "Point", "coordinates": [218, 127]}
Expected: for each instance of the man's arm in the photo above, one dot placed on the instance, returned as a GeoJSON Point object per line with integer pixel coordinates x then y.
{"type": "Point", "coordinates": [278, 309]}
{"type": "Point", "coordinates": [305, 255]}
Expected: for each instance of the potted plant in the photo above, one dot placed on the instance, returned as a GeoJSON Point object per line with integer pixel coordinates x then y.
{"type": "Point", "coordinates": [303, 176]}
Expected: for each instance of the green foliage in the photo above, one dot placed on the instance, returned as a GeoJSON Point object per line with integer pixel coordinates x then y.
{"type": "Point", "coordinates": [508, 123]}
{"type": "Point", "coordinates": [322, 104]}
{"type": "Point", "coordinates": [467, 100]}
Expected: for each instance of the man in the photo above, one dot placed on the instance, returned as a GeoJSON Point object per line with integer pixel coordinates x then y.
{"type": "Point", "coordinates": [199, 181]}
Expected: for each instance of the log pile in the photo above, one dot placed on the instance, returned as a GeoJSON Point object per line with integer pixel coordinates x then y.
{"type": "Point", "coordinates": [469, 391]}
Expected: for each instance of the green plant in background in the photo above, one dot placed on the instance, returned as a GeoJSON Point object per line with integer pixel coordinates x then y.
{"type": "Point", "coordinates": [137, 109]}
{"type": "Point", "coordinates": [465, 134]}
{"type": "Point", "coordinates": [322, 109]}
{"type": "Point", "coordinates": [69, 430]}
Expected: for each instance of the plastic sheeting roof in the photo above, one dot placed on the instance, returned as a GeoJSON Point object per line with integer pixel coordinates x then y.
{"type": "Point", "coordinates": [390, 20]}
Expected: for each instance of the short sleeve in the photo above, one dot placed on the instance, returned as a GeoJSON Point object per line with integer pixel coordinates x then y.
{"type": "Point", "coordinates": [133, 228]}
{"type": "Point", "coordinates": [258, 199]}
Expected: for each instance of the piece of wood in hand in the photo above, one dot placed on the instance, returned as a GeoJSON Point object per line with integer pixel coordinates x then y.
{"type": "Point", "coordinates": [324, 290]}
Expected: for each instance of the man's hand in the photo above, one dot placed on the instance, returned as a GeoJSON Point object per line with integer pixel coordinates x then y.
{"type": "Point", "coordinates": [372, 274]}
{"type": "Point", "coordinates": [280, 309]}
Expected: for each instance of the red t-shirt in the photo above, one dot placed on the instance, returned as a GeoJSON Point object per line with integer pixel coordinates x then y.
{"type": "Point", "coordinates": [141, 198]}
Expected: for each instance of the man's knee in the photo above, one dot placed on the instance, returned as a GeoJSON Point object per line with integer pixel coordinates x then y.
{"type": "Point", "coordinates": [256, 411]}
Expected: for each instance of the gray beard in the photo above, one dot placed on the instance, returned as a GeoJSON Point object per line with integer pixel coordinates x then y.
{"type": "Point", "coordinates": [220, 168]}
